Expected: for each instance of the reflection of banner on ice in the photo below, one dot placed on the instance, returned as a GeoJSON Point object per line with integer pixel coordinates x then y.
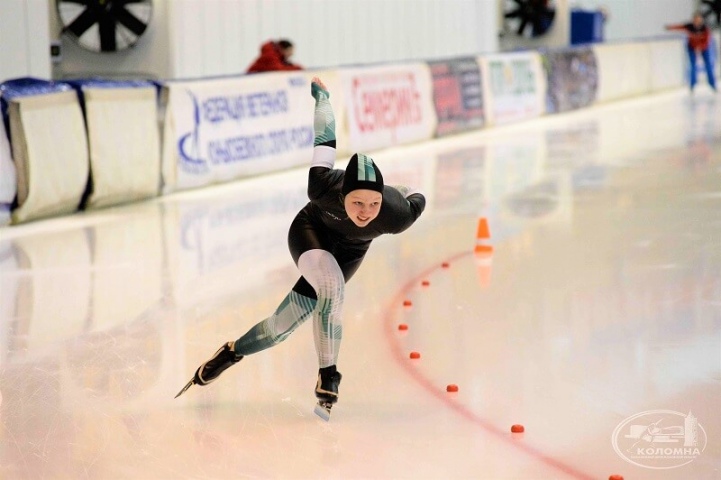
{"type": "Point", "coordinates": [457, 95]}
{"type": "Point", "coordinates": [388, 105]}
{"type": "Point", "coordinates": [572, 76]}
{"type": "Point", "coordinates": [459, 178]}
{"type": "Point", "coordinates": [237, 127]}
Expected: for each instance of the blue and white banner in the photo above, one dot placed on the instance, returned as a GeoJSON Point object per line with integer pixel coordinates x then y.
{"type": "Point", "coordinates": [223, 129]}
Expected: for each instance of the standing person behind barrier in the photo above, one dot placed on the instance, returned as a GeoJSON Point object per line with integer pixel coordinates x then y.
{"type": "Point", "coordinates": [699, 41]}
{"type": "Point", "coordinates": [328, 240]}
{"type": "Point", "coordinates": [274, 56]}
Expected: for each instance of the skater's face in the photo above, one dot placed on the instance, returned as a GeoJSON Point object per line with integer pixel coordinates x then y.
{"type": "Point", "coordinates": [362, 206]}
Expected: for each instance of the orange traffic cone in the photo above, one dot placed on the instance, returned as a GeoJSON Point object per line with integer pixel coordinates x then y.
{"type": "Point", "coordinates": [482, 236]}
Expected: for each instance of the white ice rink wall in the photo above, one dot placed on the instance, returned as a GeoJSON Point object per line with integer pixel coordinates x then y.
{"type": "Point", "coordinates": [96, 147]}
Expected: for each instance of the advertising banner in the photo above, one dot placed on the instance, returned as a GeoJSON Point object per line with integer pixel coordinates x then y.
{"type": "Point", "coordinates": [572, 79]}
{"type": "Point", "coordinates": [224, 129]}
{"type": "Point", "coordinates": [388, 105]}
{"type": "Point", "coordinates": [514, 87]}
{"type": "Point", "coordinates": [457, 95]}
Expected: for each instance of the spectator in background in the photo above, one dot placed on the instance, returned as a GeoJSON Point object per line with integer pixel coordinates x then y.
{"type": "Point", "coordinates": [699, 42]}
{"type": "Point", "coordinates": [274, 55]}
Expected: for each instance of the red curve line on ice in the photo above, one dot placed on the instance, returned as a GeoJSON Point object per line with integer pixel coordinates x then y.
{"type": "Point", "coordinates": [400, 357]}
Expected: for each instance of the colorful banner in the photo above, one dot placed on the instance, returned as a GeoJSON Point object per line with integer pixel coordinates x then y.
{"type": "Point", "coordinates": [572, 78]}
{"type": "Point", "coordinates": [457, 95]}
{"type": "Point", "coordinates": [224, 129]}
{"type": "Point", "coordinates": [388, 105]}
{"type": "Point", "coordinates": [514, 87]}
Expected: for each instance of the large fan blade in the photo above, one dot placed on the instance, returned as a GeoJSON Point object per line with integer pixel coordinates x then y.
{"type": "Point", "coordinates": [513, 14]}
{"type": "Point", "coordinates": [713, 10]}
{"type": "Point", "coordinates": [522, 26]}
{"type": "Point", "coordinates": [107, 33]}
{"type": "Point", "coordinates": [126, 18]}
{"type": "Point", "coordinates": [83, 21]}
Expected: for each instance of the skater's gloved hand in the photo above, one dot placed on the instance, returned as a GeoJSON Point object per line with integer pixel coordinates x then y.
{"type": "Point", "coordinates": [405, 191]}
{"type": "Point", "coordinates": [318, 89]}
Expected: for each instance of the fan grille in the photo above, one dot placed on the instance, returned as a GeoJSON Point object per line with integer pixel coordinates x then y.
{"type": "Point", "coordinates": [105, 25]}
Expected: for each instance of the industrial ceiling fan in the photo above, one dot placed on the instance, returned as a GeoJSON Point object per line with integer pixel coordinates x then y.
{"type": "Point", "coordinates": [105, 25]}
{"type": "Point", "coordinates": [528, 18]}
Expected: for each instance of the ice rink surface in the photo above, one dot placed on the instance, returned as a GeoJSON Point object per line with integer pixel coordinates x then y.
{"type": "Point", "coordinates": [601, 303]}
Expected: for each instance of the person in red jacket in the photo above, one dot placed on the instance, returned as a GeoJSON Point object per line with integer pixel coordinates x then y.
{"type": "Point", "coordinates": [699, 42]}
{"type": "Point", "coordinates": [274, 55]}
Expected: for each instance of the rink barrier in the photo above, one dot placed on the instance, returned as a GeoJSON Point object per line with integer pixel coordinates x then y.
{"type": "Point", "coordinates": [616, 62]}
{"type": "Point", "coordinates": [8, 178]}
{"type": "Point", "coordinates": [49, 147]}
{"type": "Point", "coordinates": [224, 129]}
{"type": "Point", "coordinates": [668, 60]}
{"type": "Point", "coordinates": [123, 140]}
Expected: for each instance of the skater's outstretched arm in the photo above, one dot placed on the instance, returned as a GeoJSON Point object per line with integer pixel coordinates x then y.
{"type": "Point", "coordinates": [323, 126]}
{"type": "Point", "coordinates": [324, 142]}
{"type": "Point", "coordinates": [405, 203]}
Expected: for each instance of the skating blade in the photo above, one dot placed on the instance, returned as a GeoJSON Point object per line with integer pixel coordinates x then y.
{"type": "Point", "coordinates": [323, 411]}
{"type": "Point", "coordinates": [185, 388]}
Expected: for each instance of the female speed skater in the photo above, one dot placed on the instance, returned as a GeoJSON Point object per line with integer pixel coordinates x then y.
{"type": "Point", "coordinates": [327, 239]}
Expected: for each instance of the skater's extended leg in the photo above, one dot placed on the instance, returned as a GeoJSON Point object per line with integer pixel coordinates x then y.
{"type": "Point", "coordinates": [290, 314]}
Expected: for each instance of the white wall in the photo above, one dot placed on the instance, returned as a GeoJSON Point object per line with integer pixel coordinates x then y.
{"type": "Point", "coordinates": [24, 39]}
{"type": "Point", "coordinates": [326, 32]}
{"type": "Point", "coordinates": [196, 38]}
{"type": "Point", "coordinates": [631, 19]}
